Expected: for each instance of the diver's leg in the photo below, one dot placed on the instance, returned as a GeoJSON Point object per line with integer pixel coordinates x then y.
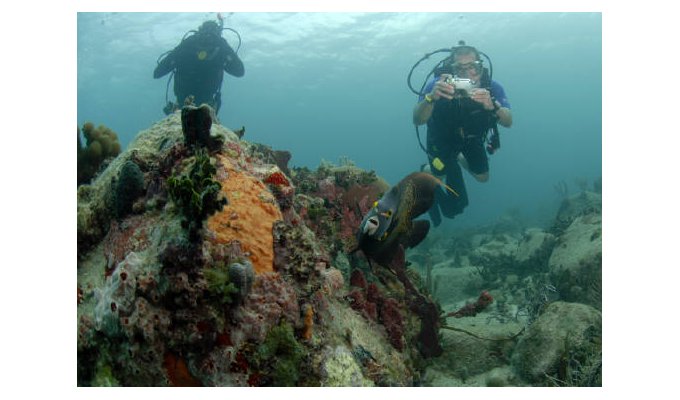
{"type": "Point", "coordinates": [452, 205]}
{"type": "Point", "coordinates": [433, 212]}
{"type": "Point", "coordinates": [473, 158]}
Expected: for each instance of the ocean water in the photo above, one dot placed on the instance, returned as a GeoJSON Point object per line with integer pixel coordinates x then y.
{"type": "Point", "coordinates": [328, 86]}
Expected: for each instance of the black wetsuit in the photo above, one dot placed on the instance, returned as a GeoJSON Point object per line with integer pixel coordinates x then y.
{"type": "Point", "coordinates": [198, 62]}
{"type": "Point", "coordinates": [457, 126]}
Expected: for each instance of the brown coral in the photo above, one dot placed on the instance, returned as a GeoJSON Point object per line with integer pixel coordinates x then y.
{"type": "Point", "coordinates": [101, 143]}
{"type": "Point", "coordinates": [249, 216]}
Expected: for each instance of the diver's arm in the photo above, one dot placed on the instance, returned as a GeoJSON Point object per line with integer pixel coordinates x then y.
{"type": "Point", "coordinates": [166, 65]}
{"type": "Point", "coordinates": [232, 64]}
{"type": "Point", "coordinates": [504, 116]}
{"type": "Point", "coordinates": [423, 110]}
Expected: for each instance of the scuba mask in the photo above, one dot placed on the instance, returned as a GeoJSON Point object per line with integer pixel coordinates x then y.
{"type": "Point", "coordinates": [463, 70]}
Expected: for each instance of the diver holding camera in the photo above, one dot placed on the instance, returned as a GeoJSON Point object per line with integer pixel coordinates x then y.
{"type": "Point", "coordinates": [462, 107]}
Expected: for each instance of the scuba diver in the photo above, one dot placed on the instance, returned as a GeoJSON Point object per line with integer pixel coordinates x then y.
{"type": "Point", "coordinates": [197, 64]}
{"type": "Point", "coordinates": [462, 106]}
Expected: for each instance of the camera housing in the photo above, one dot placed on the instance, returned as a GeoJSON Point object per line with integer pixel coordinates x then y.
{"type": "Point", "coordinates": [461, 83]}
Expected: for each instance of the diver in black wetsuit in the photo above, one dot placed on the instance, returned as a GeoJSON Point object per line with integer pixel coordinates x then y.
{"type": "Point", "coordinates": [198, 62]}
{"type": "Point", "coordinates": [458, 119]}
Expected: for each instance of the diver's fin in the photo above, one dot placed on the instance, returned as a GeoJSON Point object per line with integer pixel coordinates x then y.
{"type": "Point", "coordinates": [435, 215]}
{"type": "Point", "coordinates": [418, 232]}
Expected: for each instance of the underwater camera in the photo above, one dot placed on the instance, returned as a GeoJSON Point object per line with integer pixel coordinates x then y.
{"type": "Point", "coordinates": [462, 84]}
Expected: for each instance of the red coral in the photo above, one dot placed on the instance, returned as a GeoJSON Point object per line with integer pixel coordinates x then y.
{"type": "Point", "coordinates": [240, 363]}
{"type": "Point", "coordinates": [349, 223]}
{"type": "Point", "coordinates": [373, 294]}
{"type": "Point", "coordinates": [471, 309]}
{"type": "Point", "coordinates": [277, 178]}
{"type": "Point", "coordinates": [178, 373]}
{"type": "Point", "coordinates": [357, 279]}
{"type": "Point", "coordinates": [329, 190]}
{"type": "Point", "coordinates": [357, 300]}
{"type": "Point", "coordinates": [393, 322]}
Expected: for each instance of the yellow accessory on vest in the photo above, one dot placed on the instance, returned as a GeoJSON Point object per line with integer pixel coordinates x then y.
{"type": "Point", "coordinates": [438, 164]}
{"type": "Point", "coordinates": [202, 55]}
{"type": "Point", "coordinates": [428, 98]}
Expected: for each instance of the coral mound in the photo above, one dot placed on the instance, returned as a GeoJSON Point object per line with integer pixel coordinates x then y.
{"type": "Point", "coordinates": [177, 288]}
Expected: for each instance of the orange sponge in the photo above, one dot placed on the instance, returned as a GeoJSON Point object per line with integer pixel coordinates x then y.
{"type": "Point", "coordinates": [248, 217]}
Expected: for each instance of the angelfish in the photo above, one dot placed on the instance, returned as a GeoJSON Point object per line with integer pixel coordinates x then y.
{"type": "Point", "coordinates": [389, 227]}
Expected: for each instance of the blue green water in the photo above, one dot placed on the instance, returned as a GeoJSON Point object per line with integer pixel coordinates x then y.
{"type": "Point", "coordinates": [332, 85]}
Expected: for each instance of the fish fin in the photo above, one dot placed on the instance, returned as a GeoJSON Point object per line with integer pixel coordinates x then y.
{"type": "Point", "coordinates": [450, 189]}
{"type": "Point", "coordinates": [445, 186]}
{"type": "Point", "coordinates": [417, 233]}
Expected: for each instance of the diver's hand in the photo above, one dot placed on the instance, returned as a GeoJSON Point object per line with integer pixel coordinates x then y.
{"type": "Point", "coordinates": [483, 97]}
{"type": "Point", "coordinates": [442, 89]}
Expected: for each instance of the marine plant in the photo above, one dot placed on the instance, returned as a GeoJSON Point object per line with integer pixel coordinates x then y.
{"type": "Point", "coordinates": [196, 193]}
{"type": "Point", "coordinates": [281, 355]}
{"type": "Point", "coordinates": [220, 286]}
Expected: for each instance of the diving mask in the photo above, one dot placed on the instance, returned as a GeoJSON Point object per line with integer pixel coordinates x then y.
{"type": "Point", "coordinates": [463, 69]}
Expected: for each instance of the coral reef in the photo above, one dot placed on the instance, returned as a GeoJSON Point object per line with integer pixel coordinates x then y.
{"type": "Point", "coordinates": [280, 356]}
{"type": "Point", "coordinates": [335, 201]}
{"type": "Point", "coordinates": [265, 291]}
{"type": "Point", "coordinates": [177, 288]}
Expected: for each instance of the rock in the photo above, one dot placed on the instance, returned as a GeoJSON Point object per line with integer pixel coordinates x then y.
{"type": "Point", "coordinates": [574, 206]}
{"type": "Point", "coordinates": [532, 243]}
{"type": "Point", "coordinates": [576, 262]}
{"type": "Point", "coordinates": [456, 284]}
{"type": "Point", "coordinates": [563, 333]}
{"type": "Point", "coordinates": [494, 246]}
{"type": "Point", "coordinates": [341, 369]}
{"type": "Point", "coordinates": [466, 356]}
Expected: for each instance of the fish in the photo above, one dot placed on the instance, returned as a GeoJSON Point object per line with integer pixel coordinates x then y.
{"type": "Point", "coordinates": [389, 227]}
